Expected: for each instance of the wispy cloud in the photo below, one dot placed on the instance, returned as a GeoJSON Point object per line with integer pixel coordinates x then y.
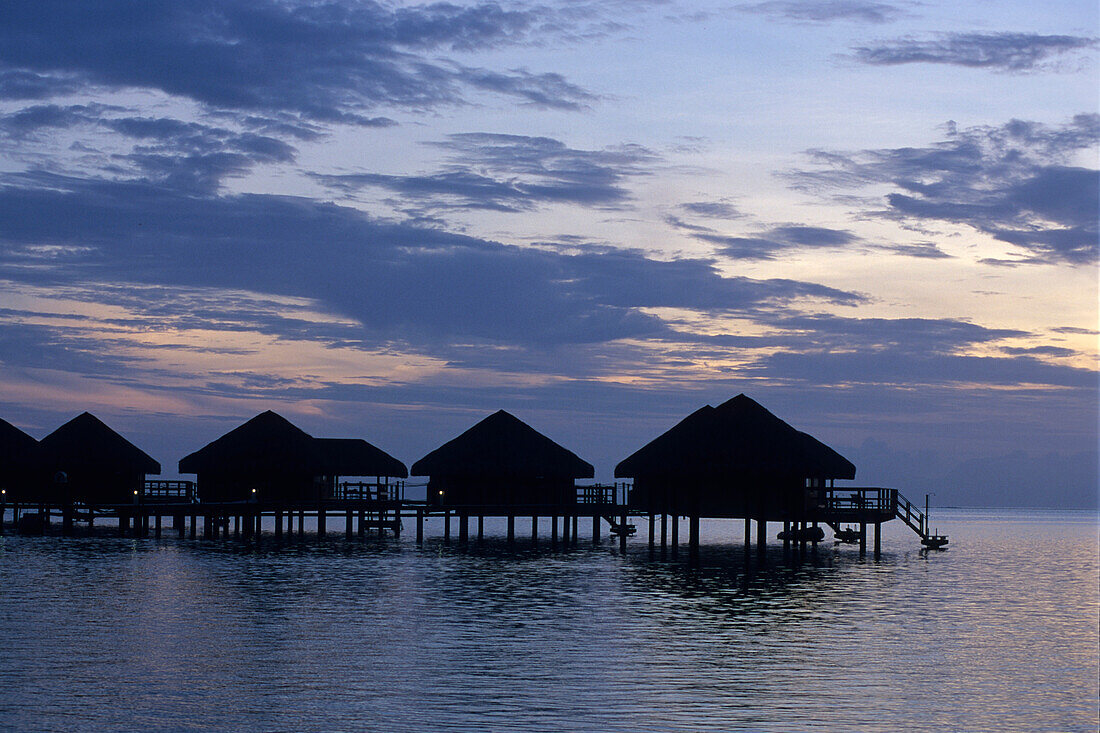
{"type": "Point", "coordinates": [326, 63]}
{"type": "Point", "coordinates": [1009, 52]}
{"type": "Point", "coordinates": [513, 173]}
{"type": "Point", "coordinates": [827, 11]}
{"type": "Point", "coordinates": [1013, 182]}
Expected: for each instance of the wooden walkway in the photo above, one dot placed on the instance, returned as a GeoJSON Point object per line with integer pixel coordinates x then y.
{"type": "Point", "coordinates": [850, 512]}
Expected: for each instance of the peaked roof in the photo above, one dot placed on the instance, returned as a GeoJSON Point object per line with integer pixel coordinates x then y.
{"type": "Point", "coordinates": [18, 451]}
{"type": "Point", "coordinates": [357, 457]}
{"type": "Point", "coordinates": [269, 442]}
{"type": "Point", "coordinates": [739, 437]}
{"type": "Point", "coordinates": [86, 443]}
{"type": "Point", "coordinates": [502, 445]}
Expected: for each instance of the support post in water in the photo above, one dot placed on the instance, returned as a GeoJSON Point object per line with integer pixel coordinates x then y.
{"type": "Point", "coordinates": [761, 539]}
{"type": "Point", "coordinates": [511, 528]}
{"type": "Point", "coordinates": [419, 526]}
{"type": "Point", "coordinates": [878, 540]}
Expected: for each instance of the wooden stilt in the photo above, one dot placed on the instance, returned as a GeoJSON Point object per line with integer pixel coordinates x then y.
{"type": "Point", "coordinates": [534, 529]}
{"type": "Point", "coordinates": [786, 538]}
{"type": "Point", "coordinates": [622, 534]}
{"type": "Point", "coordinates": [361, 523]}
{"type": "Point", "coordinates": [301, 522]}
{"type": "Point", "coordinates": [761, 539]}
{"type": "Point", "coordinates": [664, 533]}
{"type": "Point", "coordinates": [573, 535]}
{"type": "Point", "coordinates": [156, 529]}
{"type": "Point", "coordinates": [419, 526]}
{"type": "Point", "coordinates": [322, 521]}
{"type": "Point", "coordinates": [675, 518]}
{"type": "Point", "coordinates": [878, 540]}
{"type": "Point", "coordinates": [278, 522]}
{"type": "Point", "coordinates": [652, 531]}
{"type": "Point", "coordinates": [813, 542]}
{"type": "Point", "coordinates": [693, 538]}
{"type": "Point", "coordinates": [595, 529]}
{"type": "Point", "coordinates": [446, 526]}
{"type": "Point", "coordinates": [123, 524]}
{"type": "Point", "coordinates": [862, 539]}
{"type": "Point", "coordinates": [349, 523]}
{"type": "Point", "coordinates": [463, 528]}
{"type": "Point", "coordinates": [194, 525]}
{"type": "Point", "coordinates": [553, 530]}
{"type": "Point", "coordinates": [480, 527]}
{"type": "Point", "coordinates": [511, 528]}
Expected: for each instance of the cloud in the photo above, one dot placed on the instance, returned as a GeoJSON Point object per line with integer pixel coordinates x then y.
{"type": "Point", "coordinates": [712, 209]}
{"type": "Point", "coordinates": [826, 11]}
{"type": "Point", "coordinates": [768, 244]}
{"type": "Point", "coordinates": [1014, 182]}
{"type": "Point", "coordinates": [422, 286]}
{"type": "Point", "coordinates": [326, 63]}
{"type": "Point", "coordinates": [1008, 52]}
{"type": "Point", "coordinates": [513, 173]}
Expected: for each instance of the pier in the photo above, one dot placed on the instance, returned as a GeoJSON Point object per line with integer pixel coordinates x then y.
{"type": "Point", "coordinates": [855, 515]}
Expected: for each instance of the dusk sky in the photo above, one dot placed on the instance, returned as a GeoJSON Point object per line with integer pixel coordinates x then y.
{"type": "Point", "coordinates": [388, 220]}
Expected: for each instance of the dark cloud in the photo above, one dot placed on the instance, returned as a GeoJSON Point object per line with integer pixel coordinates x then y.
{"type": "Point", "coordinates": [1012, 182]}
{"type": "Point", "coordinates": [826, 11]}
{"type": "Point", "coordinates": [1012, 52]}
{"type": "Point", "coordinates": [768, 244]}
{"type": "Point", "coordinates": [514, 173]}
{"type": "Point", "coordinates": [400, 282]}
{"type": "Point", "coordinates": [1055, 351]}
{"type": "Point", "coordinates": [712, 209]}
{"type": "Point", "coordinates": [327, 63]}
{"type": "Point", "coordinates": [913, 371]}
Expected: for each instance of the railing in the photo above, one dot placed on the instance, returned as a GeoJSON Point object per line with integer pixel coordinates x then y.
{"type": "Point", "coordinates": [373, 491]}
{"type": "Point", "coordinates": [912, 516]}
{"type": "Point", "coordinates": [168, 491]}
{"type": "Point", "coordinates": [615, 494]}
{"type": "Point", "coordinates": [860, 500]}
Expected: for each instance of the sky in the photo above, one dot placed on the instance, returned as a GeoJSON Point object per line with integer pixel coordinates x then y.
{"type": "Point", "coordinates": [388, 220]}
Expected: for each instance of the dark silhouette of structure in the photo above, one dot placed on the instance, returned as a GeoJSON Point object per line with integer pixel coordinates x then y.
{"type": "Point", "coordinates": [91, 463]}
{"type": "Point", "coordinates": [268, 458]}
{"type": "Point", "coordinates": [22, 468]}
{"type": "Point", "coordinates": [734, 460]}
{"type": "Point", "coordinates": [502, 461]}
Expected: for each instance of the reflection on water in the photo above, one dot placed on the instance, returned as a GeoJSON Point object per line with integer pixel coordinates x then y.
{"type": "Point", "coordinates": [998, 633]}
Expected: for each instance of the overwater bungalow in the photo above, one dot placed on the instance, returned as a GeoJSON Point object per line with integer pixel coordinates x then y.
{"type": "Point", "coordinates": [734, 460]}
{"type": "Point", "coordinates": [22, 470]}
{"type": "Point", "coordinates": [90, 462]}
{"type": "Point", "coordinates": [271, 459]}
{"type": "Point", "coordinates": [501, 461]}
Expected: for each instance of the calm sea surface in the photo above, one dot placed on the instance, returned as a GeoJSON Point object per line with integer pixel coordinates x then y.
{"type": "Point", "coordinates": [998, 633]}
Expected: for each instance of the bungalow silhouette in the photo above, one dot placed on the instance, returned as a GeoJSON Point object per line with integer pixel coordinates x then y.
{"type": "Point", "coordinates": [89, 462]}
{"type": "Point", "coordinates": [734, 460]}
{"type": "Point", "coordinates": [271, 459]}
{"type": "Point", "coordinates": [501, 461]}
{"type": "Point", "coordinates": [22, 469]}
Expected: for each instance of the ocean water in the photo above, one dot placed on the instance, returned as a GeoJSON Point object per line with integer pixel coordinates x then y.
{"type": "Point", "coordinates": [998, 633]}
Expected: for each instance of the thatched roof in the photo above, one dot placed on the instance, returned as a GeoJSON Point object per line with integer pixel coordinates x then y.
{"type": "Point", "coordinates": [265, 443]}
{"type": "Point", "coordinates": [356, 457]}
{"type": "Point", "coordinates": [86, 444]}
{"type": "Point", "coordinates": [18, 451]}
{"type": "Point", "coordinates": [739, 437]}
{"type": "Point", "coordinates": [270, 443]}
{"type": "Point", "coordinates": [502, 446]}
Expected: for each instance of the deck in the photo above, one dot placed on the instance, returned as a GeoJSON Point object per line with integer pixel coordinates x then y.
{"type": "Point", "coordinates": [849, 511]}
